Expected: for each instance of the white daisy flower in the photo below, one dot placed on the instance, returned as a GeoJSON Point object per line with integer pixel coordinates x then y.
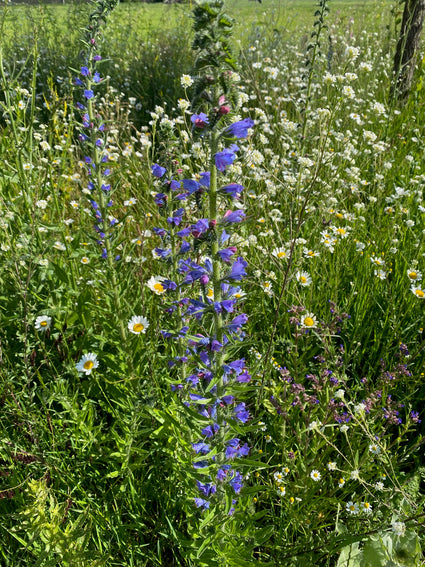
{"type": "Point", "coordinates": [155, 284]}
{"type": "Point", "coordinates": [418, 291]}
{"type": "Point", "coordinates": [315, 475]}
{"type": "Point", "coordinates": [308, 321]}
{"type": "Point", "coordinates": [280, 253]}
{"type": "Point", "coordinates": [303, 278]}
{"type": "Point", "coordinates": [87, 363]}
{"type": "Point", "coordinates": [42, 323]}
{"type": "Point", "coordinates": [352, 508]}
{"type": "Point", "coordinates": [137, 325]}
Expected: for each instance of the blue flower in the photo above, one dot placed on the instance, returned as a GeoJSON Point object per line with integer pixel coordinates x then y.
{"type": "Point", "coordinates": [238, 269]}
{"type": "Point", "coordinates": [201, 503]}
{"type": "Point", "coordinates": [88, 93]}
{"type": "Point", "coordinates": [226, 157]}
{"type": "Point", "coordinates": [85, 71]}
{"type": "Point", "coordinates": [234, 216]}
{"type": "Point", "coordinates": [240, 129]}
{"type": "Point", "coordinates": [199, 120]}
{"type": "Point", "coordinates": [157, 170]}
{"type": "Point", "coordinates": [190, 185]}
{"type": "Point", "coordinates": [233, 189]}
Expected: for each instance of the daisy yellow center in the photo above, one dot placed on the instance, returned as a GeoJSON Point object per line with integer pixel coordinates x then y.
{"type": "Point", "coordinates": [413, 275]}
{"type": "Point", "coordinates": [43, 324]}
{"type": "Point", "coordinates": [308, 322]}
{"type": "Point", "coordinates": [281, 254]}
{"type": "Point", "coordinates": [341, 481]}
{"type": "Point", "coordinates": [311, 253]}
{"type": "Point", "coordinates": [138, 328]}
{"type": "Point", "coordinates": [420, 293]}
{"type": "Point", "coordinates": [303, 279]}
{"type": "Point", "coordinates": [282, 489]}
{"type": "Point", "coordinates": [88, 365]}
{"type": "Point", "coordinates": [279, 476]}
{"type": "Point", "coordinates": [266, 284]}
{"type": "Point", "coordinates": [341, 231]}
{"type": "Point", "coordinates": [366, 505]}
{"type": "Point", "coordinates": [352, 508]}
{"type": "Point", "coordinates": [315, 475]}
{"type": "Point", "coordinates": [211, 293]}
{"type": "Point", "coordinates": [85, 260]}
{"type": "Point", "coordinates": [139, 242]}
{"type": "Point", "coordinates": [158, 287]}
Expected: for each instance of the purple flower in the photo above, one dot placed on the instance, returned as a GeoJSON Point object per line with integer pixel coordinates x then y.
{"type": "Point", "coordinates": [160, 199]}
{"type": "Point", "coordinates": [162, 253]}
{"type": "Point", "coordinates": [227, 253]}
{"type": "Point", "coordinates": [157, 170]}
{"type": "Point", "coordinates": [241, 413]}
{"type": "Point", "coordinates": [207, 488]}
{"type": "Point", "coordinates": [210, 430]}
{"type": "Point", "coordinates": [190, 185]}
{"type": "Point", "coordinates": [234, 216]}
{"type": "Point", "coordinates": [88, 93]}
{"type": "Point", "coordinates": [225, 158]}
{"type": "Point", "coordinates": [236, 482]}
{"type": "Point", "coordinates": [201, 448]}
{"type": "Point", "coordinates": [201, 503]}
{"type": "Point", "coordinates": [176, 218]}
{"type": "Point", "coordinates": [96, 77]}
{"type": "Point", "coordinates": [205, 179]}
{"type": "Point", "coordinates": [233, 189]}
{"type": "Point", "coordinates": [238, 269]}
{"type": "Point", "coordinates": [199, 120]}
{"type": "Point", "coordinates": [85, 71]}
{"type": "Point", "coordinates": [200, 227]}
{"type": "Point", "coordinates": [235, 325]}
{"type": "Point", "coordinates": [240, 129]}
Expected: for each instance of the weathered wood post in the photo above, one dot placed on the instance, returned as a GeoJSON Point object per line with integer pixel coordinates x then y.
{"type": "Point", "coordinates": [407, 46]}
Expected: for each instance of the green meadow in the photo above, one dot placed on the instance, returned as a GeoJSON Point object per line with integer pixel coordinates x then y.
{"type": "Point", "coordinates": [212, 346]}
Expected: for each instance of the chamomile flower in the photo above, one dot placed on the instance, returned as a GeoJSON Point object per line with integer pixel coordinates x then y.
{"type": "Point", "coordinates": [377, 261]}
{"type": "Point", "coordinates": [414, 275]}
{"type": "Point", "coordinates": [418, 291]}
{"type": "Point", "coordinates": [308, 321]}
{"type": "Point", "coordinates": [42, 323]}
{"type": "Point", "coordinates": [315, 475]}
{"type": "Point", "coordinates": [366, 508]}
{"type": "Point", "coordinates": [278, 476]}
{"type": "Point", "coordinates": [267, 287]}
{"type": "Point", "coordinates": [130, 202]}
{"type": "Point", "coordinates": [341, 482]}
{"type": "Point", "coordinates": [155, 284]}
{"type": "Point", "coordinates": [87, 363]}
{"type": "Point", "coordinates": [280, 253]}
{"type": "Point", "coordinates": [352, 508]}
{"type": "Point", "coordinates": [281, 490]}
{"type": "Point", "coordinates": [374, 449]}
{"type": "Point", "coordinates": [303, 278]}
{"type": "Point", "coordinates": [137, 325]}
{"type": "Point", "coordinates": [331, 466]}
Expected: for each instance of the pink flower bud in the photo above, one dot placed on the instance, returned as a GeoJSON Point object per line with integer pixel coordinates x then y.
{"type": "Point", "coordinates": [224, 110]}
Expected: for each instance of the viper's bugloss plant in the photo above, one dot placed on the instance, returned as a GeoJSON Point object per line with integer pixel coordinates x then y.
{"type": "Point", "coordinates": [203, 281]}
